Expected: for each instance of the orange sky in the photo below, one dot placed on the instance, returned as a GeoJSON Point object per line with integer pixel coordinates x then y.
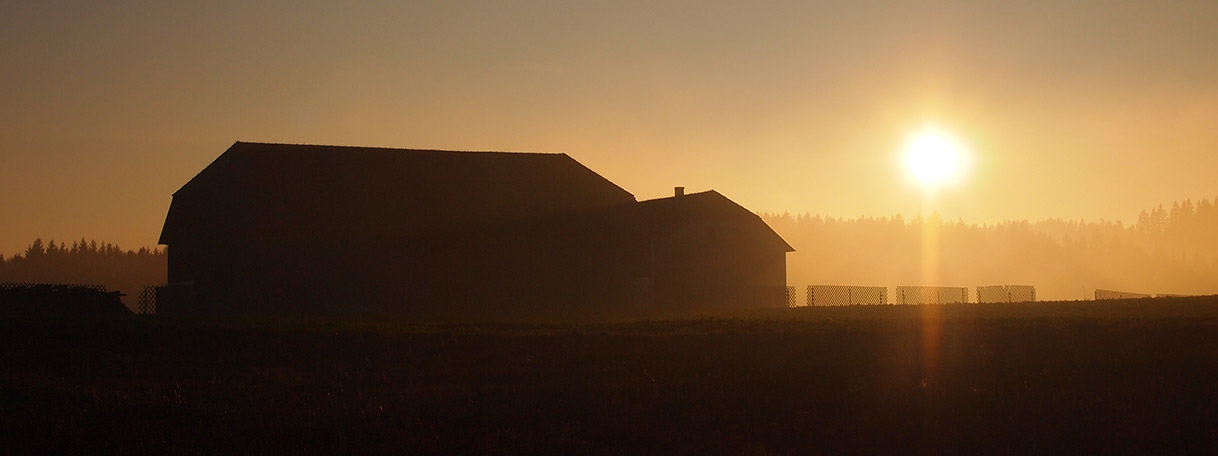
{"type": "Point", "coordinates": [1071, 111]}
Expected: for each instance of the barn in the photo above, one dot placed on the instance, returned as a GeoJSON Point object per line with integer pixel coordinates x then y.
{"type": "Point", "coordinates": [279, 228]}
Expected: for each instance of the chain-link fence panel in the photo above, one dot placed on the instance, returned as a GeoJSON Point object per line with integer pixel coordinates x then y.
{"type": "Point", "coordinates": [930, 295]}
{"type": "Point", "coordinates": [843, 295]}
{"type": "Point", "coordinates": [1101, 295]}
{"type": "Point", "coordinates": [1006, 293]}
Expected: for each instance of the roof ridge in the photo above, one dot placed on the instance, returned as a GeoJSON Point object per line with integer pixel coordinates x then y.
{"type": "Point", "coordinates": [337, 146]}
{"type": "Point", "coordinates": [686, 195]}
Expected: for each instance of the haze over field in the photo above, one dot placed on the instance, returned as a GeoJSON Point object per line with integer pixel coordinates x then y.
{"type": "Point", "coordinates": [1064, 110]}
{"type": "Point", "coordinates": [1170, 250]}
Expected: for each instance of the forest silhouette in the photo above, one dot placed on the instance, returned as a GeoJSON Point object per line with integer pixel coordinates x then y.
{"type": "Point", "coordinates": [87, 262]}
{"type": "Point", "coordinates": [1168, 250]}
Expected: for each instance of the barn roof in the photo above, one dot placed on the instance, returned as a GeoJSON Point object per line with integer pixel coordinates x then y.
{"type": "Point", "coordinates": [708, 205]}
{"type": "Point", "coordinates": [653, 218]}
{"type": "Point", "coordinates": [262, 188]}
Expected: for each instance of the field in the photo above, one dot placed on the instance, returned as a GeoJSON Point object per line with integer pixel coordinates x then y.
{"type": "Point", "coordinates": [1137, 376]}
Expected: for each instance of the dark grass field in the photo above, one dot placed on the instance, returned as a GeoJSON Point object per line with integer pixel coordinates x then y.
{"type": "Point", "coordinates": [1047, 378]}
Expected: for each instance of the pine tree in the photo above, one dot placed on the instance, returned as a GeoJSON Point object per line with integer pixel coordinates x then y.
{"type": "Point", "coordinates": [1187, 210]}
{"type": "Point", "coordinates": [35, 250]}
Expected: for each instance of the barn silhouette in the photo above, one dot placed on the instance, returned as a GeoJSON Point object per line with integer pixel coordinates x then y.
{"type": "Point", "coordinates": [278, 228]}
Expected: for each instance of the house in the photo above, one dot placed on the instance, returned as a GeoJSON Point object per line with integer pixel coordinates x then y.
{"type": "Point", "coordinates": [277, 228]}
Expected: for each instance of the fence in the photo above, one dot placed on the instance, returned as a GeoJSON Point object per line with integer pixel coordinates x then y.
{"type": "Point", "coordinates": [147, 303]}
{"type": "Point", "coordinates": [1101, 295]}
{"type": "Point", "coordinates": [930, 295]}
{"type": "Point", "coordinates": [59, 299]}
{"type": "Point", "coordinates": [843, 295]}
{"type": "Point", "coordinates": [839, 295]}
{"type": "Point", "coordinates": [1006, 293]}
{"type": "Point", "coordinates": [51, 286]}
{"type": "Point", "coordinates": [174, 299]}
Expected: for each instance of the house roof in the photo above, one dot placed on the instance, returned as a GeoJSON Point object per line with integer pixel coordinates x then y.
{"type": "Point", "coordinates": [358, 191]}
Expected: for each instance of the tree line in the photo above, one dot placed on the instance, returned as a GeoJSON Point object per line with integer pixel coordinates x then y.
{"type": "Point", "coordinates": [1168, 250]}
{"type": "Point", "coordinates": [87, 262]}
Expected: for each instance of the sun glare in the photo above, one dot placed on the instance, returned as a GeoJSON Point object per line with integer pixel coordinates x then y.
{"type": "Point", "coordinates": [934, 158]}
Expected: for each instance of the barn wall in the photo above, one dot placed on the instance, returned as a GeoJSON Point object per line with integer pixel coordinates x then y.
{"type": "Point", "coordinates": [719, 264]}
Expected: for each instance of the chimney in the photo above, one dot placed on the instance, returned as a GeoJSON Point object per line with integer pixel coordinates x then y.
{"type": "Point", "coordinates": [678, 191]}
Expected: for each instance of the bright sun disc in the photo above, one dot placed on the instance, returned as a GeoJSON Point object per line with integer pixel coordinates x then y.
{"type": "Point", "coordinates": [933, 158]}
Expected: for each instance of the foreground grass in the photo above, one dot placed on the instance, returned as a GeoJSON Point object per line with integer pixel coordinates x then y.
{"type": "Point", "coordinates": [1129, 376]}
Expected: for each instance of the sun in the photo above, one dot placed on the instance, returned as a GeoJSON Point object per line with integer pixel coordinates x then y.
{"type": "Point", "coordinates": [934, 158]}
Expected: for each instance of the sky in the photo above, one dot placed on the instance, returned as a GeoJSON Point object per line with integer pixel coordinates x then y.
{"type": "Point", "coordinates": [1078, 109]}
